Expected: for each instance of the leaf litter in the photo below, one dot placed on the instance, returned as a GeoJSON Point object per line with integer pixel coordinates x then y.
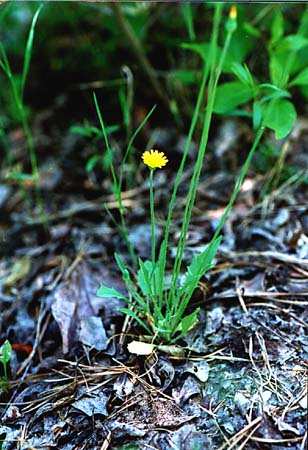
{"type": "Point", "coordinates": [239, 377]}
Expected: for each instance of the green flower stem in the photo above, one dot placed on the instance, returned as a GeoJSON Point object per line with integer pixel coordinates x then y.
{"type": "Point", "coordinates": [152, 216]}
{"type": "Point", "coordinates": [164, 245]}
{"type": "Point", "coordinates": [240, 180]}
{"type": "Point", "coordinates": [214, 78]}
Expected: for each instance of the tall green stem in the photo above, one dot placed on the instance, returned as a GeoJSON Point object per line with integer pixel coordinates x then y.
{"type": "Point", "coordinates": [214, 78]}
{"type": "Point", "coordinates": [239, 181]}
{"type": "Point", "coordinates": [152, 216]}
{"type": "Point", "coordinates": [206, 68]}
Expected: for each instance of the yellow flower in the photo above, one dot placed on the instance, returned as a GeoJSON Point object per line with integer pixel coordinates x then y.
{"type": "Point", "coordinates": [154, 159]}
{"type": "Point", "coordinates": [233, 12]}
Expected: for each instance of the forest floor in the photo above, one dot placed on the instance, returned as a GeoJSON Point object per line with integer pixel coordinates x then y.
{"type": "Point", "coordinates": [239, 378]}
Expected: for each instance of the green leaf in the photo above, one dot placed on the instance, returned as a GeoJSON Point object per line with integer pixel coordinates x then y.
{"type": "Point", "coordinates": [188, 15]}
{"type": "Point", "coordinates": [204, 50]}
{"type": "Point", "coordinates": [149, 277]}
{"type": "Point", "coordinates": [200, 264]}
{"type": "Point", "coordinates": [76, 129]}
{"type": "Point", "coordinates": [277, 28]}
{"type": "Point", "coordinates": [145, 277]}
{"type": "Point", "coordinates": [131, 313]}
{"type": "Point", "coordinates": [20, 176]}
{"type": "Point", "coordinates": [130, 285]}
{"type": "Point", "coordinates": [189, 321]}
{"type": "Point", "coordinates": [251, 30]}
{"type": "Point", "coordinates": [301, 78]}
{"type": "Point", "coordinates": [277, 69]}
{"type": "Point", "coordinates": [123, 268]}
{"type": "Point", "coordinates": [108, 292]}
{"type": "Point", "coordinates": [5, 352]}
{"type": "Point", "coordinates": [280, 116]}
{"type": "Point", "coordinates": [28, 51]}
{"type": "Point", "coordinates": [230, 95]}
{"type": "Point", "coordinates": [256, 115]}
{"type": "Point", "coordinates": [242, 73]}
{"type": "Point", "coordinates": [293, 43]}
{"type": "Point", "coordinates": [91, 163]}
{"type": "Point", "coordinates": [185, 76]}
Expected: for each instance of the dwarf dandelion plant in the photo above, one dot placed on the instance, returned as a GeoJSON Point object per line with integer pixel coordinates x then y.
{"type": "Point", "coordinates": [160, 307]}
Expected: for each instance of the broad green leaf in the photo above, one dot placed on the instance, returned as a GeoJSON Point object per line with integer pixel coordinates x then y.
{"type": "Point", "coordinates": [301, 79]}
{"type": "Point", "coordinates": [108, 292]}
{"type": "Point", "coordinates": [145, 277]}
{"type": "Point", "coordinates": [293, 42]}
{"type": "Point", "coordinates": [189, 321]}
{"type": "Point", "coordinates": [204, 50]}
{"type": "Point", "coordinates": [277, 69]}
{"type": "Point", "coordinates": [230, 95]}
{"type": "Point", "coordinates": [277, 28]}
{"type": "Point", "coordinates": [5, 352]}
{"type": "Point", "coordinates": [280, 116]}
{"type": "Point", "coordinates": [238, 50]}
{"type": "Point", "coordinates": [149, 278]}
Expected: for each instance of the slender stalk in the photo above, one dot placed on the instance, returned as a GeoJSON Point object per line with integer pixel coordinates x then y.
{"type": "Point", "coordinates": [206, 68]}
{"type": "Point", "coordinates": [152, 216]}
{"type": "Point", "coordinates": [214, 78]}
{"type": "Point", "coordinates": [240, 180]}
{"type": "Point", "coordinates": [164, 245]}
{"type": "Point", "coordinates": [116, 184]}
{"type": "Point", "coordinates": [21, 111]}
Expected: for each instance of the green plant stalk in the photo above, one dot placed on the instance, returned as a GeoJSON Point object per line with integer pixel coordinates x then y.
{"type": "Point", "coordinates": [156, 301]}
{"type": "Point", "coordinates": [152, 216]}
{"type": "Point", "coordinates": [28, 52]}
{"type": "Point", "coordinates": [117, 189]}
{"type": "Point", "coordinates": [164, 245]}
{"type": "Point", "coordinates": [180, 309]}
{"type": "Point", "coordinates": [5, 378]}
{"type": "Point", "coordinates": [240, 180]}
{"type": "Point", "coordinates": [4, 141]}
{"type": "Point", "coordinates": [20, 107]}
{"type": "Point", "coordinates": [118, 183]}
{"type": "Point", "coordinates": [130, 143]}
{"type": "Point", "coordinates": [214, 78]}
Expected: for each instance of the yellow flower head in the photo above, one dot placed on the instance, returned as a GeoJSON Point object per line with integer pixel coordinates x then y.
{"type": "Point", "coordinates": [233, 12]}
{"type": "Point", "coordinates": [154, 159]}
